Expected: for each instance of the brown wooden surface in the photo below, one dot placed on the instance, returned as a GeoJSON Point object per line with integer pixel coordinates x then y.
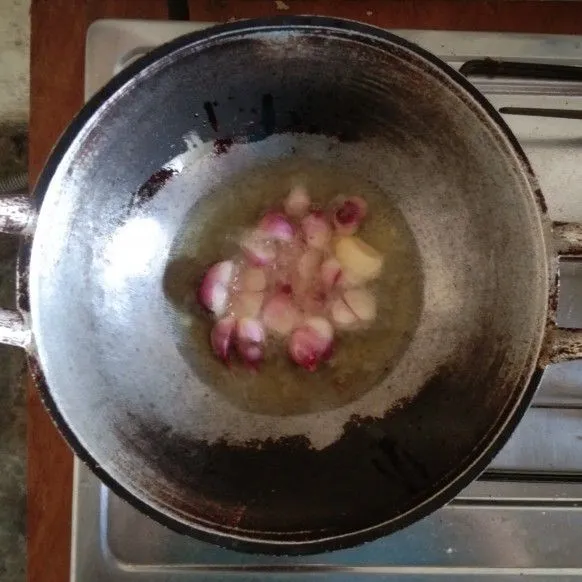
{"type": "Point", "coordinates": [57, 53]}
{"type": "Point", "coordinates": [513, 15]}
{"type": "Point", "coordinates": [49, 462]}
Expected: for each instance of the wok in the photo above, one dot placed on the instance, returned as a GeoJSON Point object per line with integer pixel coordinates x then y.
{"type": "Point", "coordinates": [97, 319]}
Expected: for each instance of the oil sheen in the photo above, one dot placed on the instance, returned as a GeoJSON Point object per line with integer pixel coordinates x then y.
{"type": "Point", "coordinates": [361, 359]}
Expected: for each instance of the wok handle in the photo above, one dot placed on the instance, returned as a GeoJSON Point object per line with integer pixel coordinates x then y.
{"type": "Point", "coordinates": [567, 342]}
{"type": "Point", "coordinates": [16, 217]}
{"type": "Point", "coordinates": [14, 330]}
{"type": "Point", "coordinates": [568, 239]}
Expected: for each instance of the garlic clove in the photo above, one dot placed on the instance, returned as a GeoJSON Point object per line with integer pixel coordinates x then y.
{"type": "Point", "coordinates": [362, 302]}
{"type": "Point", "coordinates": [355, 309]}
{"type": "Point", "coordinates": [341, 314]}
{"type": "Point", "coordinates": [359, 261]}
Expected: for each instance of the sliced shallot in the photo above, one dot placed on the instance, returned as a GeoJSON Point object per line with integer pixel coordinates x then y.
{"type": "Point", "coordinates": [253, 279]}
{"type": "Point", "coordinates": [275, 226]}
{"type": "Point", "coordinates": [258, 250]}
{"type": "Point", "coordinates": [330, 273]}
{"type": "Point", "coordinates": [311, 344]}
{"type": "Point", "coordinates": [221, 337]}
{"type": "Point", "coordinates": [349, 214]}
{"type": "Point", "coordinates": [306, 274]}
{"type": "Point", "coordinates": [316, 230]}
{"type": "Point", "coordinates": [247, 304]}
{"type": "Point", "coordinates": [213, 291]}
{"type": "Point", "coordinates": [295, 283]}
{"type": "Point", "coordinates": [297, 202]}
{"type": "Point", "coordinates": [280, 315]}
{"type": "Point", "coordinates": [285, 271]}
{"type": "Point", "coordinates": [308, 264]}
{"type": "Point", "coordinates": [250, 341]}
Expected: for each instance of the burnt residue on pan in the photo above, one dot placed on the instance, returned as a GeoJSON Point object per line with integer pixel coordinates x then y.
{"type": "Point", "coordinates": [376, 472]}
{"type": "Point", "coordinates": [22, 297]}
{"type": "Point", "coordinates": [540, 198]}
{"type": "Point", "coordinates": [223, 145]}
{"type": "Point", "coordinates": [329, 495]}
{"type": "Point", "coordinates": [396, 462]}
{"type": "Point", "coordinates": [268, 117]}
{"type": "Point", "coordinates": [553, 299]}
{"type": "Point", "coordinates": [151, 187]}
{"type": "Point", "coordinates": [211, 114]}
{"type": "Point", "coordinates": [564, 345]}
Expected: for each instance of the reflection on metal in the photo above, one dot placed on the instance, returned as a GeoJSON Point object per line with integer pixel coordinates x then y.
{"type": "Point", "coordinates": [523, 519]}
{"type": "Point", "coordinates": [496, 530]}
{"type": "Point", "coordinates": [14, 331]}
{"type": "Point", "coordinates": [16, 215]}
{"type": "Point", "coordinates": [134, 246]}
{"type": "Point", "coordinates": [520, 69]}
{"type": "Point", "coordinates": [543, 112]}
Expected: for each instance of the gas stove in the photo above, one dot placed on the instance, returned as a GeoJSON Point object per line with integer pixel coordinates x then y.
{"type": "Point", "coordinates": [523, 517]}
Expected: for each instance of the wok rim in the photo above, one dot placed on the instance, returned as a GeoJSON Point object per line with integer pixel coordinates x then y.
{"type": "Point", "coordinates": [473, 465]}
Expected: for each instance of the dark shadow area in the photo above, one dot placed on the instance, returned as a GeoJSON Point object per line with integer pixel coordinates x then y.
{"type": "Point", "coordinates": [13, 161]}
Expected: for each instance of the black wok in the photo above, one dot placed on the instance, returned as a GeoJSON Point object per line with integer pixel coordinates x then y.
{"type": "Point", "coordinates": [100, 327]}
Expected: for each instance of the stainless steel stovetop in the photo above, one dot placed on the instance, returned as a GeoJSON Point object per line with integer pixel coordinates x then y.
{"type": "Point", "coordinates": [523, 519]}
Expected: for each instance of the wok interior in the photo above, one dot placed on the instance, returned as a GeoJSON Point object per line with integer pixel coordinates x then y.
{"type": "Point", "coordinates": [362, 358]}
{"type": "Point", "coordinates": [105, 331]}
